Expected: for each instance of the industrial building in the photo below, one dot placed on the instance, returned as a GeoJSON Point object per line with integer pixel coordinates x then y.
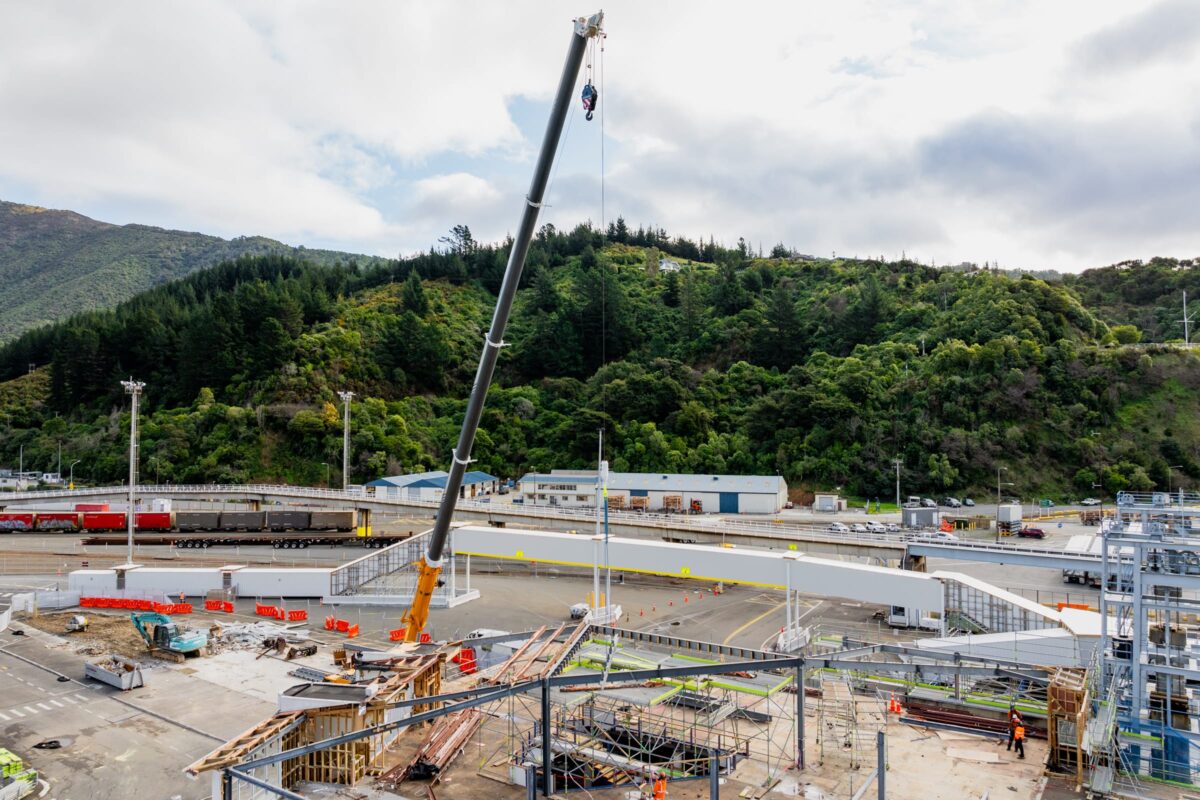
{"type": "Point", "coordinates": [431, 485]}
{"type": "Point", "coordinates": [655, 491]}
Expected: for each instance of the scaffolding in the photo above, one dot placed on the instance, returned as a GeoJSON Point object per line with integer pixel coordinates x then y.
{"type": "Point", "coordinates": [848, 722]}
{"type": "Point", "coordinates": [1144, 720]}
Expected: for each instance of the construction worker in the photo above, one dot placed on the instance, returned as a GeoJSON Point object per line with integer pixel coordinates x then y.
{"type": "Point", "coordinates": [660, 787]}
{"type": "Point", "coordinates": [1014, 719]}
{"type": "Point", "coordinates": [1019, 739]}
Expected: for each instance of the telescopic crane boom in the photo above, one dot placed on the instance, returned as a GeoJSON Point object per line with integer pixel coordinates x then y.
{"type": "Point", "coordinates": [431, 567]}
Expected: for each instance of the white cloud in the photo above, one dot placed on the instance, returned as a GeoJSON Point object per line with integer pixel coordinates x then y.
{"type": "Point", "coordinates": [1040, 134]}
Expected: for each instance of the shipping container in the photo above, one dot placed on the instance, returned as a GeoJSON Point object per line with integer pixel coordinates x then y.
{"type": "Point", "coordinates": [332, 521]}
{"type": "Point", "coordinates": [198, 520]}
{"type": "Point", "coordinates": [287, 520]}
{"type": "Point", "coordinates": [104, 521]}
{"type": "Point", "coordinates": [57, 521]}
{"type": "Point", "coordinates": [241, 520]}
{"type": "Point", "coordinates": [91, 506]}
{"type": "Point", "coordinates": [153, 521]}
{"type": "Point", "coordinates": [16, 522]}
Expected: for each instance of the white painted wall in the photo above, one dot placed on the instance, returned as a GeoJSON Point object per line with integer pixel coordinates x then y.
{"type": "Point", "coordinates": [282, 582]}
{"type": "Point", "coordinates": [195, 583]}
{"type": "Point", "coordinates": [817, 576]}
{"type": "Point", "coordinates": [171, 581]}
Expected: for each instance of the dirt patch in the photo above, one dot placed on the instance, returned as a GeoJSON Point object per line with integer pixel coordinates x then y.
{"type": "Point", "coordinates": [106, 634]}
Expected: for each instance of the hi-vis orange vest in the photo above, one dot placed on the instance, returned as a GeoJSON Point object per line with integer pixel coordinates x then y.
{"type": "Point", "coordinates": [1020, 733]}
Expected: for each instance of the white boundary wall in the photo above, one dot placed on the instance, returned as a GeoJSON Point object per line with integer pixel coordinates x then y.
{"type": "Point", "coordinates": [196, 582]}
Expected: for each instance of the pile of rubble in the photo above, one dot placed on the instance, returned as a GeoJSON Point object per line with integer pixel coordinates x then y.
{"type": "Point", "coordinates": [224, 636]}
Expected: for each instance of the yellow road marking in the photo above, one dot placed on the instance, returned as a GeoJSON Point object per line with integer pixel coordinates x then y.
{"type": "Point", "coordinates": [759, 618]}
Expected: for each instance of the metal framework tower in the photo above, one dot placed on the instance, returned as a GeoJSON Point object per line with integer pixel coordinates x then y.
{"type": "Point", "coordinates": [134, 390]}
{"type": "Point", "coordinates": [1146, 713]}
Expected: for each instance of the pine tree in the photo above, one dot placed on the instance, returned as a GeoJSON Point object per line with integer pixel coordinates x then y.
{"type": "Point", "coordinates": [413, 295]}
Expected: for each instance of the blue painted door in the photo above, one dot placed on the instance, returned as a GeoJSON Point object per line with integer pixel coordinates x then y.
{"type": "Point", "coordinates": [729, 503]}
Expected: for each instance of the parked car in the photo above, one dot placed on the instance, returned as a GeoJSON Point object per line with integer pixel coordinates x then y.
{"type": "Point", "coordinates": [968, 502]}
{"type": "Point", "coordinates": [1046, 503]}
{"type": "Point", "coordinates": [911, 504]}
{"type": "Point", "coordinates": [953, 502]}
{"type": "Point", "coordinates": [839, 527]}
{"type": "Point", "coordinates": [892, 527]}
{"type": "Point", "coordinates": [1031, 533]}
{"type": "Point", "coordinates": [789, 504]}
{"type": "Point", "coordinates": [928, 503]}
{"type": "Point", "coordinates": [876, 527]}
{"type": "Point", "coordinates": [931, 536]}
{"type": "Point", "coordinates": [1090, 501]}
{"type": "Point", "coordinates": [858, 527]}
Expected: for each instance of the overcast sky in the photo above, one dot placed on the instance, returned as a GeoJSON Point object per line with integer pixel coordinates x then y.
{"type": "Point", "coordinates": [1037, 134]}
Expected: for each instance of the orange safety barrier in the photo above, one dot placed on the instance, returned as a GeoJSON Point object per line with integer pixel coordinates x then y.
{"type": "Point", "coordinates": [280, 613]}
{"type": "Point", "coordinates": [1080, 606]}
{"type": "Point", "coordinates": [397, 635]}
{"type": "Point", "coordinates": [227, 607]}
{"type": "Point", "coordinates": [352, 631]}
{"type": "Point", "coordinates": [341, 625]}
{"type": "Point", "coordinates": [212, 605]}
{"type": "Point", "coordinates": [297, 616]}
{"type": "Point", "coordinates": [426, 638]}
{"type": "Point", "coordinates": [330, 622]}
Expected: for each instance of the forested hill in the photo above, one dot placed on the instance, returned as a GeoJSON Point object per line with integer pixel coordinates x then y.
{"type": "Point", "coordinates": [54, 263]}
{"type": "Point", "coordinates": [692, 356]}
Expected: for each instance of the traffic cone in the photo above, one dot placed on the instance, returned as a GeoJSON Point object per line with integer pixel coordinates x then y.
{"type": "Point", "coordinates": [642, 613]}
{"type": "Point", "coordinates": [685, 598]}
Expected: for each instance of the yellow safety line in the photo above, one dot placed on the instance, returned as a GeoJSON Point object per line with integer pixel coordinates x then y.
{"type": "Point", "coordinates": [759, 618]}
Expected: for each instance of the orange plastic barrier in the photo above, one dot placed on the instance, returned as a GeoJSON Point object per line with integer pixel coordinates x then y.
{"type": "Point", "coordinates": [212, 605]}
{"type": "Point", "coordinates": [280, 614]}
{"type": "Point", "coordinates": [329, 623]}
{"type": "Point", "coordinates": [397, 635]}
{"type": "Point", "coordinates": [351, 631]}
{"type": "Point", "coordinates": [465, 658]}
{"type": "Point", "coordinates": [297, 616]}
{"type": "Point", "coordinates": [1081, 606]}
{"type": "Point", "coordinates": [227, 607]}
{"type": "Point", "coordinates": [341, 625]}
{"type": "Point", "coordinates": [426, 638]}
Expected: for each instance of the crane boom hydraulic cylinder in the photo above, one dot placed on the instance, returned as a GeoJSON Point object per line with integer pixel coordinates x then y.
{"type": "Point", "coordinates": [431, 567]}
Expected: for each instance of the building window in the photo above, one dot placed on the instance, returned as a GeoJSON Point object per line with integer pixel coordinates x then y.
{"type": "Point", "coordinates": [582, 498]}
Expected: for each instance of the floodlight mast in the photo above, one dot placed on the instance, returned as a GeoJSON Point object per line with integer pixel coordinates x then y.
{"type": "Point", "coordinates": [431, 567]}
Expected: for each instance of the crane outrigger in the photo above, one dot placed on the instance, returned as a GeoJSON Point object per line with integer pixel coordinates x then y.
{"type": "Point", "coordinates": [584, 29]}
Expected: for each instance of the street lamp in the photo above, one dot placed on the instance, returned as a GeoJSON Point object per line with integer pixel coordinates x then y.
{"type": "Point", "coordinates": [998, 485]}
{"type": "Point", "coordinates": [134, 390]}
{"type": "Point", "coordinates": [897, 463]}
{"type": "Point", "coordinates": [72, 468]}
{"type": "Point", "coordinates": [1169, 476]}
{"type": "Point", "coordinates": [346, 397]}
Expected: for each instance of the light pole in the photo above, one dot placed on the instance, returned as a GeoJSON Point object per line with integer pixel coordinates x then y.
{"type": "Point", "coordinates": [134, 390]}
{"type": "Point", "coordinates": [71, 485]}
{"type": "Point", "coordinates": [21, 470]}
{"type": "Point", "coordinates": [1169, 476]}
{"type": "Point", "coordinates": [998, 485]}
{"type": "Point", "coordinates": [897, 463]}
{"type": "Point", "coordinates": [346, 396]}
{"type": "Point", "coordinates": [1101, 487]}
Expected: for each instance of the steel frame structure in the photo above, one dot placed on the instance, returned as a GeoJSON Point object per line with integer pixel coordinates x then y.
{"type": "Point", "coordinates": [538, 694]}
{"type": "Point", "coordinates": [1145, 724]}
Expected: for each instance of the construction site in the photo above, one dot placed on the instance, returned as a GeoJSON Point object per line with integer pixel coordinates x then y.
{"type": "Point", "coordinates": [461, 660]}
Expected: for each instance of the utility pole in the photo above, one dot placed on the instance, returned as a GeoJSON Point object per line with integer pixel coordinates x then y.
{"type": "Point", "coordinates": [59, 473]}
{"type": "Point", "coordinates": [134, 390]}
{"type": "Point", "coordinates": [71, 485]}
{"type": "Point", "coordinates": [346, 396]}
{"type": "Point", "coordinates": [998, 470]}
{"type": "Point", "coordinates": [21, 468]}
{"type": "Point", "coordinates": [1186, 321]}
{"type": "Point", "coordinates": [897, 463]}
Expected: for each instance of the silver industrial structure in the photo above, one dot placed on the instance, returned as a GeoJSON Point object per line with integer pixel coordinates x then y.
{"type": "Point", "coordinates": [657, 491]}
{"type": "Point", "coordinates": [1145, 722]}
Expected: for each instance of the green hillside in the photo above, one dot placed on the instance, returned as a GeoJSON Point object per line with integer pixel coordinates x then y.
{"type": "Point", "coordinates": [53, 263]}
{"type": "Point", "coordinates": [821, 370]}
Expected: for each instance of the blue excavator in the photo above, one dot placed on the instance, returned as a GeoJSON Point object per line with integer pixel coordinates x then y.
{"type": "Point", "coordinates": [166, 639]}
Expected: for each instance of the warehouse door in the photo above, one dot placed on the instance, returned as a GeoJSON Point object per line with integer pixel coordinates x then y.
{"type": "Point", "coordinates": [729, 502]}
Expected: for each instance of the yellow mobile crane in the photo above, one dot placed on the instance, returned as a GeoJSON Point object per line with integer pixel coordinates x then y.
{"type": "Point", "coordinates": [584, 29]}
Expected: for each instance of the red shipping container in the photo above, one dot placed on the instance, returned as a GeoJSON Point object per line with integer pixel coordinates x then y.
{"type": "Point", "coordinates": [91, 506]}
{"type": "Point", "coordinates": [153, 521]}
{"type": "Point", "coordinates": [60, 521]}
{"type": "Point", "coordinates": [104, 521]}
{"type": "Point", "coordinates": [16, 522]}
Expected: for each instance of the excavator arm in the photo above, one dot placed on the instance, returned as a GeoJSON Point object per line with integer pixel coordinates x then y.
{"type": "Point", "coordinates": [585, 28]}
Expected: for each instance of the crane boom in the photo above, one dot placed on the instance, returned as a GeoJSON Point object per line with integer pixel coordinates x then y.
{"type": "Point", "coordinates": [431, 566]}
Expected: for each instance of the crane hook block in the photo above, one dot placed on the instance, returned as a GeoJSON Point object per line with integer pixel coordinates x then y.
{"type": "Point", "coordinates": [590, 98]}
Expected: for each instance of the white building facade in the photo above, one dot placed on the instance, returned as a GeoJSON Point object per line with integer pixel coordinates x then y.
{"type": "Point", "coordinates": [658, 492]}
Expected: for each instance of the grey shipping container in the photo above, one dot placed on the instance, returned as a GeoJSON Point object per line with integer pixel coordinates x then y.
{"type": "Point", "coordinates": [241, 520]}
{"type": "Point", "coordinates": [332, 521]}
{"type": "Point", "coordinates": [198, 520]}
{"type": "Point", "coordinates": [287, 520]}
